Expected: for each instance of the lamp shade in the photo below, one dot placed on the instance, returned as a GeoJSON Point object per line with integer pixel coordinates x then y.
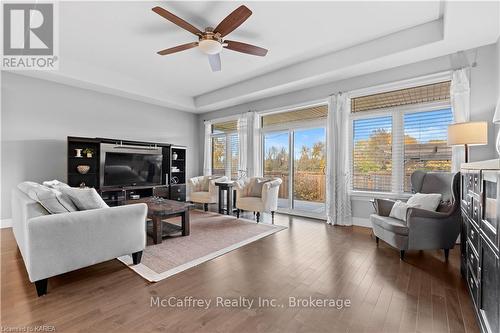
{"type": "Point", "coordinates": [496, 117]}
{"type": "Point", "coordinates": [469, 133]}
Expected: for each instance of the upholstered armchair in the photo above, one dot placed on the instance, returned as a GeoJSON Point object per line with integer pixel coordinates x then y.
{"type": "Point", "coordinates": [202, 189]}
{"type": "Point", "coordinates": [258, 195]}
{"type": "Point", "coordinates": [423, 229]}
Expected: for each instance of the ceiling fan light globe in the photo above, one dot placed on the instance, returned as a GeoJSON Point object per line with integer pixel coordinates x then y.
{"type": "Point", "coordinates": [210, 46]}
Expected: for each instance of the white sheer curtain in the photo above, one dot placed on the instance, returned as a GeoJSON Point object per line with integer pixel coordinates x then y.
{"type": "Point", "coordinates": [256, 147]}
{"type": "Point", "coordinates": [242, 145]}
{"type": "Point", "coordinates": [207, 153]}
{"type": "Point", "coordinates": [338, 175]}
{"type": "Point", "coordinates": [460, 104]}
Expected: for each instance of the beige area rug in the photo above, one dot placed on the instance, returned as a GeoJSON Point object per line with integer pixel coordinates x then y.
{"type": "Point", "coordinates": [211, 235]}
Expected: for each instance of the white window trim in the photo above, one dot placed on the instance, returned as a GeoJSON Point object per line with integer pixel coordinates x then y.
{"type": "Point", "coordinates": [397, 132]}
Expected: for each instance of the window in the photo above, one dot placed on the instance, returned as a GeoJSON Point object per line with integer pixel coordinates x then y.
{"type": "Point", "coordinates": [425, 142]}
{"type": "Point", "coordinates": [372, 154]}
{"type": "Point", "coordinates": [225, 149]}
{"type": "Point", "coordinates": [395, 133]}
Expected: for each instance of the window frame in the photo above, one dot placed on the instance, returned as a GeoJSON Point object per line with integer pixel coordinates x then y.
{"type": "Point", "coordinates": [397, 114]}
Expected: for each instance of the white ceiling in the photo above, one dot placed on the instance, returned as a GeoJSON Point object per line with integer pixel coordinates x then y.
{"type": "Point", "coordinates": [111, 46]}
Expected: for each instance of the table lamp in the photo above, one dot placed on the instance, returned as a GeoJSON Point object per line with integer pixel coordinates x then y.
{"type": "Point", "coordinates": [472, 133]}
{"type": "Point", "coordinates": [496, 120]}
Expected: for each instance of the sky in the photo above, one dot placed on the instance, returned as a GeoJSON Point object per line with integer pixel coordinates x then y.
{"type": "Point", "coordinates": [306, 138]}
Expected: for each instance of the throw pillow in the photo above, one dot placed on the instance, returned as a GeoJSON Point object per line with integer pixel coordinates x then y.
{"type": "Point", "coordinates": [399, 210]}
{"type": "Point", "coordinates": [50, 199]}
{"type": "Point", "coordinates": [256, 187]}
{"type": "Point", "coordinates": [65, 200]}
{"type": "Point", "coordinates": [85, 198]}
{"type": "Point", "coordinates": [427, 201]}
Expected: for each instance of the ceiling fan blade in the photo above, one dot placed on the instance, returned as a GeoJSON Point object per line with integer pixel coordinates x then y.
{"type": "Point", "coordinates": [233, 20]}
{"type": "Point", "coordinates": [245, 48]}
{"type": "Point", "coordinates": [214, 60]}
{"type": "Point", "coordinates": [176, 20]}
{"type": "Point", "coordinates": [178, 48]}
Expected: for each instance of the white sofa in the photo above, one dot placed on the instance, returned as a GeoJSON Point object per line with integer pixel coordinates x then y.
{"type": "Point", "coordinates": [202, 189]}
{"type": "Point", "coordinates": [265, 199]}
{"type": "Point", "coordinates": [52, 244]}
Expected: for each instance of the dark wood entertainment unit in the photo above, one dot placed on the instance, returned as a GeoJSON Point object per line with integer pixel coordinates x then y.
{"type": "Point", "coordinates": [480, 240]}
{"type": "Point", "coordinates": [173, 183]}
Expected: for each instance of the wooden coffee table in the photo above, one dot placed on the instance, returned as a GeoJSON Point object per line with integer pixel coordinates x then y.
{"type": "Point", "coordinates": [162, 209]}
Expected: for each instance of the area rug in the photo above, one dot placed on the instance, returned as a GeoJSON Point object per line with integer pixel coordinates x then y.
{"type": "Point", "coordinates": [211, 235]}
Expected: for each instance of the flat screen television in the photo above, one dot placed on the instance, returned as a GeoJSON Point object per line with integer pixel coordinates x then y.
{"type": "Point", "coordinates": [128, 167]}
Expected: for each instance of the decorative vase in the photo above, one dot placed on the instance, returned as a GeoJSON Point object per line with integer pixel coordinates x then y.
{"type": "Point", "coordinates": [78, 152]}
{"type": "Point", "coordinates": [89, 155]}
{"type": "Point", "coordinates": [174, 156]}
{"type": "Point", "coordinates": [83, 169]}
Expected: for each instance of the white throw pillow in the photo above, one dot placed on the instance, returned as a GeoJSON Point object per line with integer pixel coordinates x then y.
{"type": "Point", "coordinates": [85, 198]}
{"type": "Point", "coordinates": [427, 201]}
{"type": "Point", "coordinates": [399, 210]}
{"type": "Point", "coordinates": [50, 199]}
{"type": "Point", "coordinates": [65, 200]}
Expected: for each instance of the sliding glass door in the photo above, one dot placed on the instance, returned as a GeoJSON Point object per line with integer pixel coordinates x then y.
{"type": "Point", "coordinates": [298, 157]}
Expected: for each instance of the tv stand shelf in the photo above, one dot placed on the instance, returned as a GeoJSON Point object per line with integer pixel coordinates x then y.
{"type": "Point", "coordinates": [172, 168]}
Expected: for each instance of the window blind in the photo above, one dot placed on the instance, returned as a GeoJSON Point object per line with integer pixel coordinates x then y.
{"type": "Point", "coordinates": [225, 127]}
{"type": "Point", "coordinates": [311, 113]}
{"type": "Point", "coordinates": [416, 95]}
{"type": "Point", "coordinates": [425, 142]}
{"type": "Point", "coordinates": [372, 154]}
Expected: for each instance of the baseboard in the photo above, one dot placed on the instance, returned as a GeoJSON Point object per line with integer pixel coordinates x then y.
{"type": "Point", "coordinates": [5, 223]}
{"type": "Point", "coordinates": [361, 222]}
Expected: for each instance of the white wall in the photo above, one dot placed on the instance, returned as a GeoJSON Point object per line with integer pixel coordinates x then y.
{"type": "Point", "coordinates": [483, 98]}
{"type": "Point", "coordinates": [38, 115]}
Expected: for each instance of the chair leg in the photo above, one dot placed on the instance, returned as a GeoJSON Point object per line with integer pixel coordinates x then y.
{"type": "Point", "coordinates": [205, 207]}
{"type": "Point", "coordinates": [272, 217]}
{"type": "Point", "coordinates": [446, 254]}
{"type": "Point", "coordinates": [41, 287]}
{"type": "Point", "coordinates": [237, 213]}
{"type": "Point", "coordinates": [376, 240]}
{"type": "Point", "coordinates": [402, 254]}
{"type": "Point", "coordinates": [257, 216]}
{"type": "Point", "coordinates": [136, 257]}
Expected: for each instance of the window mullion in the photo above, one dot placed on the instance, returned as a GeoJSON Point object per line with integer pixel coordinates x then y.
{"type": "Point", "coordinates": [397, 151]}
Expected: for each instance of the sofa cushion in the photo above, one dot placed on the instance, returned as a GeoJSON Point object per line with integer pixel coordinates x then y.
{"type": "Point", "coordinates": [50, 199]}
{"type": "Point", "coordinates": [427, 201]}
{"type": "Point", "coordinates": [256, 187]}
{"type": "Point", "coordinates": [390, 224]}
{"type": "Point", "coordinates": [85, 198]}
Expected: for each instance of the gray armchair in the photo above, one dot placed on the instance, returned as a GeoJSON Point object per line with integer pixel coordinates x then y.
{"type": "Point", "coordinates": [424, 229]}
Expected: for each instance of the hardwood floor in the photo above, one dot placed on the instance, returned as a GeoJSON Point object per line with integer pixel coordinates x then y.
{"type": "Point", "coordinates": [309, 259]}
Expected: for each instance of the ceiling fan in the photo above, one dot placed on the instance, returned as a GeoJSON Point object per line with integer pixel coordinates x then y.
{"type": "Point", "coordinates": [210, 41]}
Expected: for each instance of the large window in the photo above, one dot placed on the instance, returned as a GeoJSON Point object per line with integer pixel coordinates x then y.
{"type": "Point", "coordinates": [225, 149]}
{"type": "Point", "coordinates": [396, 133]}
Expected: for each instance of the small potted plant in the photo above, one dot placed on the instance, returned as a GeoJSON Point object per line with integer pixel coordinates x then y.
{"type": "Point", "coordinates": [89, 152]}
